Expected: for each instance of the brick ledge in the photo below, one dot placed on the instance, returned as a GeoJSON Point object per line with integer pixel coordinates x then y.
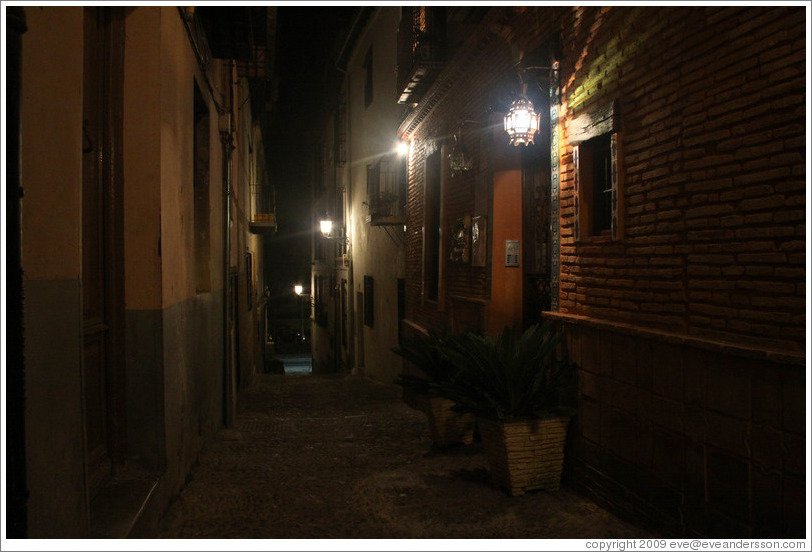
{"type": "Point", "coordinates": [782, 357]}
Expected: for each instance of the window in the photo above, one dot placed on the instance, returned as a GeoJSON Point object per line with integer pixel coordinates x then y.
{"type": "Point", "coordinates": [387, 184]}
{"type": "Point", "coordinates": [596, 181]}
{"type": "Point", "coordinates": [594, 166]}
{"type": "Point", "coordinates": [320, 301]}
{"type": "Point", "coordinates": [344, 314]}
{"type": "Point", "coordinates": [341, 217]}
{"type": "Point", "coordinates": [369, 301]}
{"type": "Point", "coordinates": [368, 78]}
{"type": "Point", "coordinates": [432, 232]}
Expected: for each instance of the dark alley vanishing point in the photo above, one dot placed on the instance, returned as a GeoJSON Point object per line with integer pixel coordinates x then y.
{"type": "Point", "coordinates": [332, 457]}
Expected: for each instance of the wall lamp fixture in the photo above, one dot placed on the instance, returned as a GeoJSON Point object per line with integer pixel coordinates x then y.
{"type": "Point", "coordinates": [402, 148]}
{"type": "Point", "coordinates": [326, 226]}
{"type": "Point", "coordinates": [299, 290]}
{"type": "Point", "coordinates": [522, 122]}
{"type": "Point", "coordinates": [459, 160]}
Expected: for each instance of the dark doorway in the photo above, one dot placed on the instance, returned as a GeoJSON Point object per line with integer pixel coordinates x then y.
{"type": "Point", "coordinates": [359, 331]}
{"type": "Point", "coordinates": [102, 239]}
{"type": "Point", "coordinates": [231, 372]}
{"type": "Point", "coordinates": [536, 210]}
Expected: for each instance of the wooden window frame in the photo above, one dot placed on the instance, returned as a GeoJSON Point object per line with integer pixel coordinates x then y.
{"type": "Point", "coordinates": [590, 136]}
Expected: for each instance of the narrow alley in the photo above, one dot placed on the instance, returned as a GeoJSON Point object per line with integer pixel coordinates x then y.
{"type": "Point", "coordinates": [234, 230]}
{"type": "Point", "coordinates": [341, 457]}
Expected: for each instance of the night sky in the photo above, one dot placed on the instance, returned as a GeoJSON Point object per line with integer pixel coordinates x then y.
{"type": "Point", "coordinates": [306, 38]}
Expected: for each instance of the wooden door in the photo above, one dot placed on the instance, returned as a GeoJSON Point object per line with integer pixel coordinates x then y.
{"type": "Point", "coordinates": [101, 246]}
{"type": "Point", "coordinates": [359, 331]}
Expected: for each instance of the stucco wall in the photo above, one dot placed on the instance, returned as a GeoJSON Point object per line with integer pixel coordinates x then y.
{"type": "Point", "coordinates": [376, 251]}
{"type": "Point", "coordinates": [174, 335]}
{"type": "Point", "coordinates": [142, 162]}
{"type": "Point", "coordinates": [505, 306]}
{"type": "Point", "coordinates": [192, 347]}
{"type": "Point", "coordinates": [52, 261]}
{"type": "Point", "coordinates": [323, 251]}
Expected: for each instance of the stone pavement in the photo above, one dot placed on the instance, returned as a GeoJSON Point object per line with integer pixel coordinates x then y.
{"type": "Point", "coordinates": [343, 457]}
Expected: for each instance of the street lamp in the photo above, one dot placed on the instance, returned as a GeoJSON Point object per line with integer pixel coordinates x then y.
{"type": "Point", "coordinates": [333, 232]}
{"type": "Point", "coordinates": [298, 288]}
{"type": "Point", "coordinates": [402, 148]}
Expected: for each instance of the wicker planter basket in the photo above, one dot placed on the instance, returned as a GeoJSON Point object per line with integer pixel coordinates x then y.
{"type": "Point", "coordinates": [525, 455]}
{"type": "Point", "coordinates": [447, 426]}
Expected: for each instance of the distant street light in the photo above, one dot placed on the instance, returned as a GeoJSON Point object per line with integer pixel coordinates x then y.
{"type": "Point", "coordinates": [299, 289]}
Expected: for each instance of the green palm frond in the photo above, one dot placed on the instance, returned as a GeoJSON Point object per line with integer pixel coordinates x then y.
{"type": "Point", "coordinates": [510, 375]}
{"type": "Point", "coordinates": [427, 353]}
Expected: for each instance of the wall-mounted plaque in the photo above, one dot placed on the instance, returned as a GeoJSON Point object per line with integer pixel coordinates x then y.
{"type": "Point", "coordinates": [511, 252]}
{"type": "Point", "coordinates": [479, 240]}
{"type": "Point", "coordinates": [461, 240]}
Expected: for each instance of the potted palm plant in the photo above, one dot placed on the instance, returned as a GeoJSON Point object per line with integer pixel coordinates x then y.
{"type": "Point", "coordinates": [427, 353]}
{"type": "Point", "coordinates": [522, 390]}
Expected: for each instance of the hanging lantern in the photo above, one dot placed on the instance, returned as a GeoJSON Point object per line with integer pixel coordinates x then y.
{"type": "Point", "coordinates": [521, 121]}
{"type": "Point", "coordinates": [458, 158]}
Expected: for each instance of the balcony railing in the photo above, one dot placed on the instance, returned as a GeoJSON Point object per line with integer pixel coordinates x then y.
{"type": "Point", "coordinates": [387, 181]}
{"type": "Point", "coordinates": [421, 52]}
{"type": "Point", "coordinates": [263, 210]}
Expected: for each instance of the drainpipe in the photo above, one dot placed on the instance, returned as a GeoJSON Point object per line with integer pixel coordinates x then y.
{"type": "Point", "coordinates": [17, 479]}
{"type": "Point", "coordinates": [228, 147]}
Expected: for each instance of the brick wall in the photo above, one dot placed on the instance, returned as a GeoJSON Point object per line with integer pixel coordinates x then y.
{"type": "Point", "coordinates": [712, 140]}
{"type": "Point", "coordinates": [693, 439]}
{"type": "Point", "coordinates": [712, 163]}
{"type": "Point", "coordinates": [472, 88]}
{"type": "Point", "coordinates": [688, 331]}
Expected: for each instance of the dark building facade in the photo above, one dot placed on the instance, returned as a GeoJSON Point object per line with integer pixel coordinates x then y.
{"type": "Point", "coordinates": [141, 258]}
{"type": "Point", "coordinates": [358, 270]}
{"type": "Point", "coordinates": [659, 215]}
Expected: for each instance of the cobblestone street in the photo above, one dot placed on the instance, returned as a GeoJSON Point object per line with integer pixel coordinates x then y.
{"type": "Point", "coordinates": [332, 457]}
